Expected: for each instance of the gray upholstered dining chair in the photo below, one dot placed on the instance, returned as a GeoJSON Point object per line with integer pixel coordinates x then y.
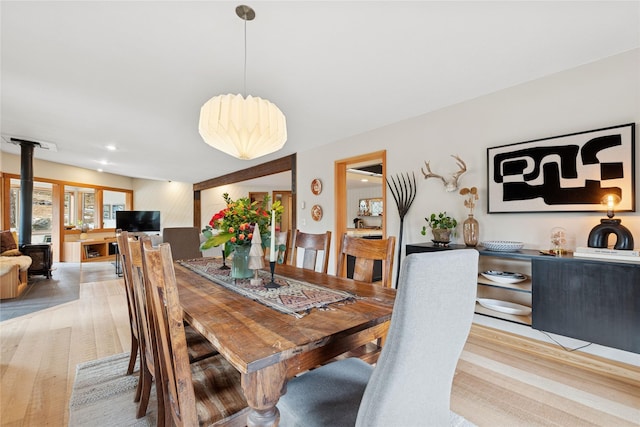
{"type": "Point", "coordinates": [184, 241]}
{"type": "Point", "coordinates": [411, 383]}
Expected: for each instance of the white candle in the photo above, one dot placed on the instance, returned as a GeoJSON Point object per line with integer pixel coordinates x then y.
{"type": "Point", "coordinates": [272, 249]}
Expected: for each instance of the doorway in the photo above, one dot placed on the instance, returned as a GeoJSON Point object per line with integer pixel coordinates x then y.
{"type": "Point", "coordinates": [346, 183]}
{"type": "Point", "coordinates": [286, 220]}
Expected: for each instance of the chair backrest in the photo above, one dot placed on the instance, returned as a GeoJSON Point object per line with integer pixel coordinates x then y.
{"type": "Point", "coordinates": [282, 240]}
{"type": "Point", "coordinates": [184, 241]}
{"type": "Point", "coordinates": [432, 315]}
{"type": "Point", "coordinates": [365, 252]}
{"type": "Point", "coordinates": [146, 334]}
{"type": "Point", "coordinates": [311, 244]}
{"type": "Point", "coordinates": [122, 239]}
{"type": "Point", "coordinates": [173, 358]}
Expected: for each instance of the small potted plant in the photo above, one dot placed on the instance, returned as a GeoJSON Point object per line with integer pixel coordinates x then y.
{"type": "Point", "coordinates": [441, 226]}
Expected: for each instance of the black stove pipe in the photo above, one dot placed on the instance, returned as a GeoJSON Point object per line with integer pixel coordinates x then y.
{"type": "Point", "coordinates": [26, 192]}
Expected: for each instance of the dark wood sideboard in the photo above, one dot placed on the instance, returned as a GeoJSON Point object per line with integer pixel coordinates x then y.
{"type": "Point", "coordinates": [594, 300]}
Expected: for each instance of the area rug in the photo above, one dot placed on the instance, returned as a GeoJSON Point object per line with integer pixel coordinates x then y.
{"type": "Point", "coordinates": [103, 395]}
{"type": "Point", "coordinates": [292, 297]}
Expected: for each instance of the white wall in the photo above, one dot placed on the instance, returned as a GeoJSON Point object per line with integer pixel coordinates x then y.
{"type": "Point", "coordinates": [174, 200]}
{"type": "Point", "coordinates": [596, 95]}
{"type": "Point", "coordinates": [10, 163]}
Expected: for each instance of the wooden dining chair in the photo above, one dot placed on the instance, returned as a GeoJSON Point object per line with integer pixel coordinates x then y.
{"type": "Point", "coordinates": [282, 239]}
{"type": "Point", "coordinates": [411, 383]}
{"type": "Point", "coordinates": [122, 241]}
{"type": "Point", "coordinates": [132, 267]}
{"type": "Point", "coordinates": [208, 392]}
{"type": "Point", "coordinates": [311, 244]}
{"type": "Point", "coordinates": [198, 346]}
{"type": "Point", "coordinates": [366, 252]}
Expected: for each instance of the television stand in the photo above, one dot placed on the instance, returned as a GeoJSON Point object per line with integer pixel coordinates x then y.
{"type": "Point", "coordinates": [90, 250]}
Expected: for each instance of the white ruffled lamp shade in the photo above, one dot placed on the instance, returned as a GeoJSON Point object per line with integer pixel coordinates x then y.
{"type": "Point", "coordinates": [243, 128]}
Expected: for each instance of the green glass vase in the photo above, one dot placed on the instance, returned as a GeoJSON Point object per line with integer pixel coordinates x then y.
{"type": "Point", "coordinates": [240, 262]}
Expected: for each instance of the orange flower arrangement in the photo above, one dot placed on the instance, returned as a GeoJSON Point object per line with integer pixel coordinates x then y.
{"type": "Point", "coordinates": [235, 223]}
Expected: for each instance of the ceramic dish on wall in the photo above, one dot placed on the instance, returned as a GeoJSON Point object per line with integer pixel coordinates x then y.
{"type": "Point", "coordinates": [503, 276]}
{"type": "Point", "coordinates": [316, 186]}
{"type": "Point", "coordinates": [316, 212]}
{"type": "Point", "coordinates": [504, 306]}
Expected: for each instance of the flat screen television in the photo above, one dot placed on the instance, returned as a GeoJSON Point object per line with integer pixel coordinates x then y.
{"type": "Point", "coordinates": [138, 220]}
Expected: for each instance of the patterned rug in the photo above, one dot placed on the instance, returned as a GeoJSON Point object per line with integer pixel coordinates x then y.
{"type": "Point", "coordinates": [292, 297]}
{"type": "Point", "coordinates": [103, 396]}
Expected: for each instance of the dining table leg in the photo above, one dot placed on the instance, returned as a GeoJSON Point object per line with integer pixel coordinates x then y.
{"type": "Point", "coordinates": [263, 389]}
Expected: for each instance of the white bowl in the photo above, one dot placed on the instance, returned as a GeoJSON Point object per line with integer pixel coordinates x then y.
{"type": "Point", "coordinates": [504, 276]}
{"type": "Point", "coordinates": [504, 306]}
{"type": "Point", "coordinates": [502, 245]}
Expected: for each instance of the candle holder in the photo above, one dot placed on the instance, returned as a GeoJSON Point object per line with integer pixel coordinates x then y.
{"type": "Point", "coordinates": [224, 263]}
{"type": "Point", "coordinates": [272, 284]}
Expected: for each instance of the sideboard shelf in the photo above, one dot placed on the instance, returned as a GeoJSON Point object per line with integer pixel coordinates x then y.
{"type": "Point", "coordinates": [594, 300]}
{"type": "Point", "coordinates": [90, 250]}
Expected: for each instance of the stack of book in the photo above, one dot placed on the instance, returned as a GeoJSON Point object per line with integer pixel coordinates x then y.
{"type": "Point", "coordinates": [606, 253]}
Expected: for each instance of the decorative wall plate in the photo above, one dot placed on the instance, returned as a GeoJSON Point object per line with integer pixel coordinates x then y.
{"type": "Point", "coordinates": [316, 212]}
{"type": "Point", "coordinates": [316, 186]}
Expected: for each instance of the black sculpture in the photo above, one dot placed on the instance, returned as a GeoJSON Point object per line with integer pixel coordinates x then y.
{"type": "Point", "coordinates": [404, 193]}
{"type": "Point", "coordinates": [599, 235]}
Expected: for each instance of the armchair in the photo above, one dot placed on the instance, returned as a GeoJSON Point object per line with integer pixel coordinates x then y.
{"type": "Point", "coordinates": [13, 266]}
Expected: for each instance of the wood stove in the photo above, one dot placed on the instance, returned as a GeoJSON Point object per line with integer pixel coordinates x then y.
{"type": "Point", "coordinates": [41, 257]}
{"type": "Point", "coordinates": [41, 254]}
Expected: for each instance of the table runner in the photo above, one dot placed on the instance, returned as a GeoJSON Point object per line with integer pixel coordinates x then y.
{"type": "Point", "coordinates": [292, 297]}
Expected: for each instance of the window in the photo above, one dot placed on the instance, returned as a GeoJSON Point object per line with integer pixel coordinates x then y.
{"type": "Point", "coordinates": [41, 210]}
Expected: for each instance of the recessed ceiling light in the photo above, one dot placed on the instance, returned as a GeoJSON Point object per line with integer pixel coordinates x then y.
{"type": "Point", "coordinates": [364, 180]}
{"type": "Point", "coordinates": [100, 170]}
{"type": "Point", "coordinates": [111, 147]}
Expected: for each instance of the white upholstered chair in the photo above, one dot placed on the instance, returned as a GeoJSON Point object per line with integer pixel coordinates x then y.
{"type": "Point", "coordinates": [411, 383]}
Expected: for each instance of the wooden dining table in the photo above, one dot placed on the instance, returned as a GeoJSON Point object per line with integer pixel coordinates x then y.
{"type": "Point", "coordinates": [268, 347]}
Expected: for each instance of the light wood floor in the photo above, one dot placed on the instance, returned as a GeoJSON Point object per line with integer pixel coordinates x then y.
{"type": "Point", "coordinates": [502, 379]}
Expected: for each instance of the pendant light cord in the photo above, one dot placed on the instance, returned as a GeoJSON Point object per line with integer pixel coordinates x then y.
{"type": "Point", "coordinates": [246, 14]}
{"type": "Point", "coordinates": [244, 94]}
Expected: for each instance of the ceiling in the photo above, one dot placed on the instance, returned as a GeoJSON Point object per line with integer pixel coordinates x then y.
{"type": "Point", "coordinates": [86, 74]}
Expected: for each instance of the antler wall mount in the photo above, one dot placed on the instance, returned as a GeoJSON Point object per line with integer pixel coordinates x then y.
{"type": "Point", "coordinates": [451, 183]}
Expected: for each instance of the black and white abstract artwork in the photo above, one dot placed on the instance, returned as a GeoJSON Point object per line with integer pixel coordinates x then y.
{"type": "Point", "coordinates": [564, 173]}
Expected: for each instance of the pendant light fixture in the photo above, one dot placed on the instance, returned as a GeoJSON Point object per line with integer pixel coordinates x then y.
{"type": "Point", "coordinates": [243, 127]}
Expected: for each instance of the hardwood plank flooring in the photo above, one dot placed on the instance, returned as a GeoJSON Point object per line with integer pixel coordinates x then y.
{"type": "Point", "coordinates": [39, 351]}
{"type": "Point", "coordinates": [501, 380]}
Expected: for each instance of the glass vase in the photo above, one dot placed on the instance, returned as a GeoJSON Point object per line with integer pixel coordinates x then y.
{"type": "Point", "coordinates": [470, 231]}
{"type": "Point", "coordinates": [240, 262]}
